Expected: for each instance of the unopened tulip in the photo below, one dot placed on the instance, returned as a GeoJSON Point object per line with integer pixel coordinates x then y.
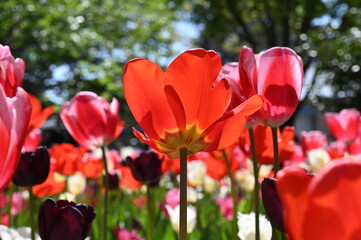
{"type": "Point", "coordinates": [312, 139]}
{"type": "Point", "coordinates": [277, 75]}
{"type": "Point", "coordinates": [174, 217]}
{"type": "Point", "coordinates": [272, 203]}
{"type": "Point", "coordinates": [33, 168]}
{"type": "Point", "coordinates": [344, 125]}
{"type": "Point", "coordinates": [64, 220]}
{"type": "Point", "coordinates": [14, 117]}
{"type": "Point", "coordinates": [246, 226]}
{"type": "Point", "coordinates": [196, 173]}
{"type": "Point", "coordinates": [76, 184]}
{"type": "Point", "coordinates": [11, 71]}
{"type": "Point", "coordinates": [91, 120]}
{"type": "Point", "coordinates": [146, 167]}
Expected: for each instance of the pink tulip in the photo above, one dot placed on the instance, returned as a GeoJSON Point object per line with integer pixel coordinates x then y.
{"type": "Point", "coordinates": [312, 139]}
{"type": "Point", "coordinates": [11, 71]}
{"type": "Point", "coordinates": [276, 74]}
{"type": "Point", "coordinates": [14, 118]}
{"type": "Point", "coordinates": [91, 120]}
{"type": "Point", "coordinates": [344, 125]}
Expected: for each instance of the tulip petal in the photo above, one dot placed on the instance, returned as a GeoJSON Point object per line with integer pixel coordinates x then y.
{"type": "Point", "coordinates": [335, 198]}
{"type": "Point", "coordinates": [226, 130]}
{"type": "Point", "coordinates": [144, 83]}
{"type": "Point", "coordinates": [292, 186]}
{"type": "Point", "coordinates": [192, 74]}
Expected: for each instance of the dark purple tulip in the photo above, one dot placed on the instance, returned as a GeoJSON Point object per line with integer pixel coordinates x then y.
{"type": "Point", "coordinates": [64, 220]}
{"type": "Point", "coordinates": [146, 168]}
{"type": "Point", "coordinates": [272, 203]}
{"type": "Point", "coordinates": [113, 181]}
{"type": "Point", "coordinates": [33, 168]}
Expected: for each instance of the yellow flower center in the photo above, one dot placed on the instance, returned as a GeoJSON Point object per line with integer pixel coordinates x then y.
{"type": "Point", "coordinates": [190, 138]}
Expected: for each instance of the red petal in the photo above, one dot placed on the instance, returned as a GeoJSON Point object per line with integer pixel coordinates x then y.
{"type": "Point", "coordinates": [192, 75]}
{"type": "Point", "coordinates": [144, 83]}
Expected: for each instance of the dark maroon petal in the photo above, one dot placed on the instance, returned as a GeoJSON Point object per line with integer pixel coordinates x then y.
{"type": "Point", "coordinates": [146, 167]}
{"type": "Point", "coordinates": [67, 224]}
{"type": "Point", "coordinates": [47, 212]}
{"type": "Point", "coordinates": [272, 203]}
{"type": "Point", "coordinates": [113, 181]}
{"type": "Point", "coordinates": [89, 216]}
{"type": "Point", "coordinates": [33, 168]}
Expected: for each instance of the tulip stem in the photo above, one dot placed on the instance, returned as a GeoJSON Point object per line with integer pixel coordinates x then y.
{"type": "Point", "coordinates": [106, 186]}
{"type": "Point", "coordinates": [150, 212]}
{"type": "Point", "coordinates": [234, 196]}
{"type": "Point", "coordinates": [31, 211]}
{"type": "Point", "coordinates": [276, 165]}
{"type": "Point", "coordinates": [183, 195]}
{"type": "Point", "coordinates": [256, 183]}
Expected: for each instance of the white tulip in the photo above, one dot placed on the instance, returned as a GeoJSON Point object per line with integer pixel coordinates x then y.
{"type": "Point", "coordinates": [174, 217]}
{"type": "Point", "coordinates": [246, 227]}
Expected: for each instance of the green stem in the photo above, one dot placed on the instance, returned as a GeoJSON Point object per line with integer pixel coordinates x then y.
{"type": "Point", "coordinates": [150, 212]}
{"type": "Point", "coordinates": [256, 183]}
{"type": "Point", "coordinates": [183, 195]}
{"type": "Point", "coordinates": [234, 196]}
{"type": "Point", "coordinates": [31, 211]}
{"type": "Point", "coordinates": [106, 186]}
{"type": "Point", "coordinates": [276, 165]}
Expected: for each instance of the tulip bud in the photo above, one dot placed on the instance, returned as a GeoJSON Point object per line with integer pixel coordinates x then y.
{"type": "Point", "coordinates": [146, 168]}
{"type": "Point", "coordinates": [272, 203]}
{"type": "Point", "coordinates": [196, 173]}
{"type": "Point", "coordinates": [64, 220]}
{"type": "Point", "coordinates": [174, 217]}
{"type": "Point", "coordinates": [246, 226]}
{"type": "Point", "coordinates": [33, 168]}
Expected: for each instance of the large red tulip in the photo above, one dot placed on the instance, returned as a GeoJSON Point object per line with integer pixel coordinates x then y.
{"type": "Point", "coordinates": [11, 71]}
{"type": "Point", "coordinates": [14, 118]}
{"type": "Point", "coordinates": [183, 107]}
{"type": "Point", "coordinates": [344, 125]}
{"type": "Point", "coordinates": [276, 74]}
{"type": "Point", "coordinates": [91, 120]}
{"type": "Point", "coordinates": [326, 206]}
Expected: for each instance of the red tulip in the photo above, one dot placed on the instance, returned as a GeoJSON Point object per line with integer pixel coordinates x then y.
{"type": "Point", "coordinates": [312, 139]}
{"type": "Point", "coordinates": [326, 206]}
{"type": "Point", "coordinates": [11, 71]}
{"type": "Point", "coordinates": [344, 125]}
{"type": "Point", "coordinates": [183, 107]}
{"type": "Point", "coordinates": [52, 185]}
{"type": "Point", "coordinates": [91, 120]}
{"type": "Point", "coordinates": [14, 118]}
{"type": "Point", "coordinates": [38, 114]}
{"type": "Point", "coordinates": [276, 75]}
{"type": "Point", "coordinates": [66, 158]}
{"type": "Point", "coordinates": [32, 140]}
{"type": "Point", "coordinates": [264, 145]}
{"type": "Point", "coordinates": [336, 149]}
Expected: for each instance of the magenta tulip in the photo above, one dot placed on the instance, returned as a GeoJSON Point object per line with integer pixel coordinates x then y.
{"type": "Point", "coordinates": [276, 74]}
{"type": "Point", "coordinates": [11, 71]}
{"type": "Point", "coordinates": [14, 118]}
{"type": "Point", "coordinates": [91, 120]}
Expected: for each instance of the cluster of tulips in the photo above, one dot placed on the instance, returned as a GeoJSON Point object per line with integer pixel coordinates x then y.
{"type": "Point", "coordinates": [216, 164]}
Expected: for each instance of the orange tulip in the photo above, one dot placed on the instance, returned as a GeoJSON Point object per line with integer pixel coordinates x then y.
{"type": "Point", "coordinates": [183, 107]}
{"type": "Point", "coordinates": [91, 120]}
{"type": "Point", "coordinates": [326, 206]}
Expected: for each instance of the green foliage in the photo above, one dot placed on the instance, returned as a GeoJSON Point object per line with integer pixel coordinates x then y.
{"type": "Point", "coordinates": [326, 34]}
{"type": "Point", "coordinates": [90, 39]}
